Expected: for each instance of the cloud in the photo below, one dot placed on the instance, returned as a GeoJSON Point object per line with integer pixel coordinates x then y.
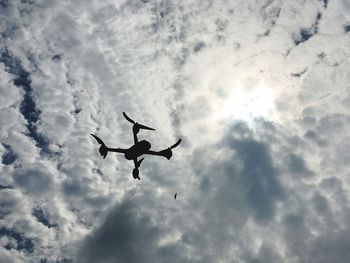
{"type": "Point", "coordinates": [36, 180]}
{"type": "Point", "coordinates": [122, 237]}
{"type": "Point", "coordinates": [253, 190]}
{"type": "Point", "coordinates": [259, 176]}
{"type": "Point", "coordinates": [11, 256]}
{"type": "Point", "coordinates": [221, 201]}
{"type": "Point", "coordinates": [331, 247]}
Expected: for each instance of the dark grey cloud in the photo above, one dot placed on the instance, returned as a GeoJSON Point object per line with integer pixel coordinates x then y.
{"type": "Point", "coordinates": [9, 156]}
{"type": "Point", "coordinates": [321, 205]}
{"type": "Point", "coordinates": [259, 176]}
{"type": "Point", "coordinates": [42, 217]}
{"type": "Point", "coordinates": [23, 243]}
{"type": "Point", "coordinates": [249, 168]}
{"type": "Point", "coordinates": [305, 33]}
{"type": "Point", "coordinates": [34, 181]}
{"type": "Point", "coordinates": [128, 234]}
{"type": "Point", "coordinates": [330, 247]}
{"type": "Point", "coordinates": [247, 161]}
{"type": "Point", "coordinates": [297, 165]}
{"type": "Point", "coordinates": [236, 182]}
{"type": "Point", "coordinates": [28, 106]}
{"type": "Point", "coordinates": [346, 28]}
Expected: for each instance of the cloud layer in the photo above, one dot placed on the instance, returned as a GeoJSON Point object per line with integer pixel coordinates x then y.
{"type": "Point", "coordinates": [257, 91]}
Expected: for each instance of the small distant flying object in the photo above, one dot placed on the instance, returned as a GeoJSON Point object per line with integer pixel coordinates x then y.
{"type": "Point", "coordinates": [175, 195]}
{"type": "Point", "coordinates": [139, 148]}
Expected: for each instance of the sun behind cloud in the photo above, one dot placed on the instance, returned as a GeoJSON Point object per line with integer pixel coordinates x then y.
{"type": "Point", "coordinates": [248, 102]}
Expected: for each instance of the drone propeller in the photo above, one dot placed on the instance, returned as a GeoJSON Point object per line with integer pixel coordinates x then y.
{"type": "Point", "coordinates": [176, 144]}
{"type": "Point", "coordinates": [128, 118]}
{"type": "Point", "coordinates": [97, 139]}
{"type": "Point", "coordinates": [140, 126]}
{"type": "Point", "coordinates": [144, 127]}
{"type": "Point", "coordinates": [103, 149]}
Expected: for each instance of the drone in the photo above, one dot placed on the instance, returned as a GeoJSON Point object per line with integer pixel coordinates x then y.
{"type": "Point", "coordinates": [139, 148]}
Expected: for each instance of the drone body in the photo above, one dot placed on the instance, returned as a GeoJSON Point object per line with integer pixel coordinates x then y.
{"type": "Point", "coordinates": [139, 148]}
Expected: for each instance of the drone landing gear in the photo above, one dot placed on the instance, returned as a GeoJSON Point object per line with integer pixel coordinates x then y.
{"type": "Point", "coordinates": [135, 173]}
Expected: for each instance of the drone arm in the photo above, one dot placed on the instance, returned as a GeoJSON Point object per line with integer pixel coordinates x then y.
{"type": "Point", "coordinates": [167, 153]}
{"type": "Point", "coordinates": [135, 136]}
{"type": "Point", "coordinates": [118, 150]}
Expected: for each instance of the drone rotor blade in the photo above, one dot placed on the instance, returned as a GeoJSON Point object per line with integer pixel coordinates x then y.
{"type": "Point", "coordinates": [97, 139]}
{"type": "Point", "coordinates": [145, 127]}
{"type": "Point", "coordinates": [176, 144]}
{"type": "Point", "coordinates": [140, 126]}
{"type": "Point", "coordinates": [128, 118]}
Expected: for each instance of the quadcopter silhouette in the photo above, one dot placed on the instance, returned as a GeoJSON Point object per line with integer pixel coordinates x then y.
{"type": "Point", "coordinates": [139, 148]}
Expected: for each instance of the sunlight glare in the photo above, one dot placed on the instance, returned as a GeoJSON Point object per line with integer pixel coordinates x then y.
{"type": "Point", "coordinates": [247, 104]}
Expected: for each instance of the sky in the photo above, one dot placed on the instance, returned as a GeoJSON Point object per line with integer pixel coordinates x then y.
{"type": "Point", "coordinates": [257, 90]}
